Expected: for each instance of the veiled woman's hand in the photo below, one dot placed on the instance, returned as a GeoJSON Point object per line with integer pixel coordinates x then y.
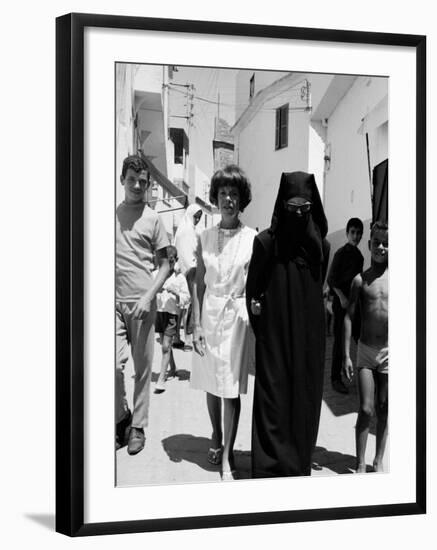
{"type": "Point", "coordinates": [199, 341]}
{"type": "Point", "coordinates": [255, 307]}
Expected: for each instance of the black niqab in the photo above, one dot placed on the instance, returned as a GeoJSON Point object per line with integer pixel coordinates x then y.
{"type": "Point", "coordinates": [286, 274]}
{"type": "Point", "coordinates": [299, 238]}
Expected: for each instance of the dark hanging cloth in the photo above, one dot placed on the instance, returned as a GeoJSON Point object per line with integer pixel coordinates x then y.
{"type": "Point", "coordinates": [380, 192]}
{"type": "Point", "coordinates": [286, 273]}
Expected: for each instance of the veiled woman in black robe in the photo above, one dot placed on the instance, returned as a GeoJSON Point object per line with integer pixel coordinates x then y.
{"type": "Point", "coordinates": [284, 296]}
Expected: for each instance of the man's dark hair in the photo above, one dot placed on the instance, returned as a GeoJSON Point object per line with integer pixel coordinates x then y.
{"type": "Point", "coordinates": [231, 175]}
{"type": "Point", "coordinates": [354, 222]}
{"type": "Point", "coordinates": [135, 162]}
{"type": "Point", "coordinates": [378, 226]}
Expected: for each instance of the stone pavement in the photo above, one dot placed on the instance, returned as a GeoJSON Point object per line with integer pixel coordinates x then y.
{"type": "Point", "coordinates": [179, 431]}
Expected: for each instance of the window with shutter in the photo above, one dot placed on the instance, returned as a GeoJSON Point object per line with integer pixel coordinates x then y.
{"type": "Point", "coordinates": [281, 129]}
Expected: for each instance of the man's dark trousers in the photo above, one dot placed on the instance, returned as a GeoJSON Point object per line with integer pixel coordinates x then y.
{"type": "Point", "coordinates": [337, 350]}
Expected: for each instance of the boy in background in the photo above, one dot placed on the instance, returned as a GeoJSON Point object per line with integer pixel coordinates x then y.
{"type": "Point", "coordinates": [173, 297]}
{"type": "Point", "coordinates": [347, 262]}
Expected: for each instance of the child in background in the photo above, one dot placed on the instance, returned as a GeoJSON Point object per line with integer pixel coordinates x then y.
{"type": "Point", "coordinates": [370, 289]}
{"type": "Point", "coordinates": [347, 262]}
{"type": "Point", "coordinates": [186, 243]}
{"type": "Point", "coordinates": [174, 296]}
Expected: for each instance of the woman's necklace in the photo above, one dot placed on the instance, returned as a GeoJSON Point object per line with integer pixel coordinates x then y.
{"type": "Point", "coordinates": [225, 274]}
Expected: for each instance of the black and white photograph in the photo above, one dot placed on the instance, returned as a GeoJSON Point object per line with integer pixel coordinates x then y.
{"type": "Point", "coordinates": [251, 274]}
{"type": "Point", "coordinates": [224, 303]}
{"type": "Point", "coordinates": [198, 201]}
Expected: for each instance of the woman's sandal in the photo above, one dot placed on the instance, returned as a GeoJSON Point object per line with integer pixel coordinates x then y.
{"type": "Point", "coordinates": [214, 456]}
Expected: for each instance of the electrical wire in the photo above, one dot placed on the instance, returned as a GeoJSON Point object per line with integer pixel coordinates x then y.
{"type": "Point", "coordinates": [235, 105]}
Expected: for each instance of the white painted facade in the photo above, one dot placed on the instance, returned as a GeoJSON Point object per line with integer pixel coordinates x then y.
{"type": "Point", "coordinates": [349, 109]}
{"type": "Point", "coordinates": [142, 122]}
{"type": "Point", "coordinates": [329, 140]}
{"type": "Point", "coordinates": [347, 184]}
{"type": "Point", "coordinates": [254, 134]}
{"type": "Point", "coordinates": [125, 114]}
{"type": "Point", "coordinates": [261, 80]}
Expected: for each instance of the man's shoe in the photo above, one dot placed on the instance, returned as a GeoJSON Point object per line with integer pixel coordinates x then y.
{"type": "Point", "coordinates": [159, 388]}
{"type": "Point", "coordinates": [136, 441]}
{"type": "Point", "coordinates": [122, 430]}
{"type": "Point", "coordinates": [339, 386]}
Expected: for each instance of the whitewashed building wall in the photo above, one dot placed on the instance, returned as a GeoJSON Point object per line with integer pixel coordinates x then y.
{"type": "Point", "coordinates": [255, 138]}
{"type": "Point", "coordinates": [347, 189]}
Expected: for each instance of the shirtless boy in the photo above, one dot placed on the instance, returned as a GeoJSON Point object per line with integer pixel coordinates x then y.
{"type": "Point", "coordinates": [370, 289]}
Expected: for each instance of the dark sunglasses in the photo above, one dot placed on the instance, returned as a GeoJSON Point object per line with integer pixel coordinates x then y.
{"type": "Point", "coordinates": [293, 207]}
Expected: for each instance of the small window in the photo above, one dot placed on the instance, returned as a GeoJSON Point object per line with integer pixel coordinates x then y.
{"type": "Point", "coordinates": [178, 150]}
{"type": "Point", "coordinates": [281, 132]}
{"type": "Point", "coordinates": [180, 141]}
{"type": "Point", "coordinates": [252, 87]}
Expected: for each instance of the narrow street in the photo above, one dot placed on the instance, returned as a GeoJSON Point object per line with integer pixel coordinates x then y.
{"type": "Point", "coordinates": [177, 439]}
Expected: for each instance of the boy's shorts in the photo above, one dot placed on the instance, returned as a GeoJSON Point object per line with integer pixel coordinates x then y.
{"type": "Point", "coordinates": [166, 323]}
{"type": "Point", "coordinates": [372, 358]}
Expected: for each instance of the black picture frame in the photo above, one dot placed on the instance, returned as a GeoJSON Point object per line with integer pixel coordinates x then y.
{"type": "Point", "coordinates": [70, 273]}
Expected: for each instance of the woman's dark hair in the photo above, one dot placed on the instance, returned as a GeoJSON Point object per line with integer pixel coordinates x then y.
{"type": "Point", "coordinates": [135, 162]}
{"type": "Point", "coordinates": [233, 176]}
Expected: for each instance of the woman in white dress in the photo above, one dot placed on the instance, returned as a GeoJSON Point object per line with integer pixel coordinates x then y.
{"type": "Point", "coordinates": [223, 340]}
